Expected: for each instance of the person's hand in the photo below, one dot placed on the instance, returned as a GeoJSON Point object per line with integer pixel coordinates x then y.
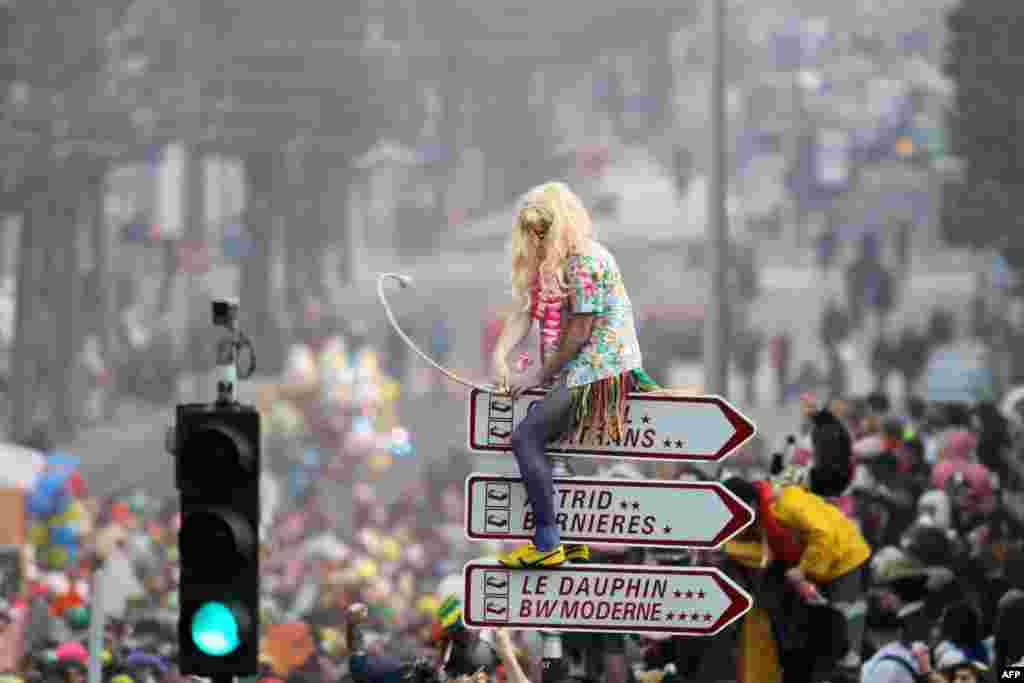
{"type": "Point", "coordinates": [358, 613]}
{"type": "Point", "coordinates": [923, 656]}
{"type": "Point", "coordinates": [503, 639]}
{"type": "Point", "coordinates": [809, 593]}
{"type": "Point", "coordinates": [525, 381]}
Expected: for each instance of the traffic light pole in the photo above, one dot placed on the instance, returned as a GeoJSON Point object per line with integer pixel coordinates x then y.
{"type": "Point", "coordinates": [96, 623]}
{"type": "Point", "coordinates": [228, 348]}
{"type": "Point", "coordinates": [227, 354]}
{"type": "Point", "coordinates": [217, 472]}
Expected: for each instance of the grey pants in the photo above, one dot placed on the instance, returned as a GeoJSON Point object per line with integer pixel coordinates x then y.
{"type": "Point", "coordinates": [846, 593]}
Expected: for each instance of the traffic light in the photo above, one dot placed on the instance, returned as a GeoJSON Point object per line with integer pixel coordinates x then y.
{"type": "Point", "coordinates": [217, 473]}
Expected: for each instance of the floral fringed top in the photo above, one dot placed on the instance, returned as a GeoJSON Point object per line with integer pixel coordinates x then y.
{"type": "Point", "coordinates": [608, 367]}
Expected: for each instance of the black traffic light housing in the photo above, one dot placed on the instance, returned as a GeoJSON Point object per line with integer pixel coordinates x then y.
{"type": "Point", "coordinates": [217, 473]}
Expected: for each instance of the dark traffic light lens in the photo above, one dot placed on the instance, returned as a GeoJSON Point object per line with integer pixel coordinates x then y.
{"type": "Point", "coordinates": [217, 454]}
{"type": "Point", "coordinates": [216, 542]}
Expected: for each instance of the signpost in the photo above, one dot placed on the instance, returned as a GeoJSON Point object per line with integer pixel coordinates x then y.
{"type": "Point", "coordinates": [659, 514]}
{"type": "Point", "coordinates": [692, 601]}
{"type": "Point", "coordinates": [697, 601]}
{"type": "Point", "coordinates": [658, 427]}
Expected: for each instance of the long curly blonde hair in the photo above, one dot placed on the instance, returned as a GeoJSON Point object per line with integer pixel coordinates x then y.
{"type": "Point", "coordinates": [553, 206]}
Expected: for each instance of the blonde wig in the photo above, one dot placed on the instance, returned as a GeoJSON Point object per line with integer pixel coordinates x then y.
{"type": "Point", "coordinates": [555, 207]}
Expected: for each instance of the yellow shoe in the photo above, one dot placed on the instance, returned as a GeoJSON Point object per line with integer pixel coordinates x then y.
{"type": "Point", "coordinates": [527, 556]}
{"type": "Point", "coordinates": [577, 553]}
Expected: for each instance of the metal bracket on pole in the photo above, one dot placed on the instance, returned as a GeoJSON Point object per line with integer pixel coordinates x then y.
{"type": "Point", "coordinates": [560, 466]}
{"type": "Point", "coordinates": [553, 668]}
{"type": "Point", "coordinates": [227, 353]}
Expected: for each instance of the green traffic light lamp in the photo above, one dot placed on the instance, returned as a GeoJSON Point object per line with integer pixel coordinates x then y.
{"type": "Point", "coordinates": [217, 629]}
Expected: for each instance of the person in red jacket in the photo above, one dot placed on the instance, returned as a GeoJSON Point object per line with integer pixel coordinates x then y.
{"type": "Point", "coordinates": [784, 545]}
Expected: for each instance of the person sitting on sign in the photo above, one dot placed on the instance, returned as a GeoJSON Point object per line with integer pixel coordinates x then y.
{"type": "Point", "coordinates": [590, 356]}
{"type": "Point", "coordinates": [834, 553]}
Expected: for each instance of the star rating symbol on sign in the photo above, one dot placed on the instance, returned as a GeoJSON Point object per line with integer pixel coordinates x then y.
{"type": "Point", "coordinates": [646, 419]}
{"type": "Point", "coordinates": [636, 506]}
{"type": "Point", "coordinates": [693, 616]}
{"type": "Point", "coordinates": [679, 594]}
{"type": "Point", "coordinates": [700, 595]}
{"type": "Point", "coordinates": [689, 595]}
{"type": "Point", "coordinates": [623, 505]}
{"type": "Point", "coordinates": [668, 443]}
{"type": "Point", "coordinates": [667, 529]}
{"type": "Point", "coordinates": [679, 444]}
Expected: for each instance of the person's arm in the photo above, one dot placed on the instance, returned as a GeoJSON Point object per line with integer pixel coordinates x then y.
{"type": "Point", "coordinates": [517, 326]}
{"type": "Point", "coordinates": [588, 298]}
{"type": "Point", "coordinates": [356, 616]}
{"type": "Point", "coordinates": [796, 510]}
{"type": "Point", "coordinates": [574, 338]}
{"type": "Point", "coordinates": [507, 652]}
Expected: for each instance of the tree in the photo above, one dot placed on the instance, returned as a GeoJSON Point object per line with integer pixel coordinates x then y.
{"type": "Point", "coordinates": [58, 52]}
{"type": "Point", "coordinates": [986, 43]}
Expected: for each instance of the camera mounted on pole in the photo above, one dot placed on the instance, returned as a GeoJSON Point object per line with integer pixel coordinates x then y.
{"type": "Point", "coordinates": [229, 350]}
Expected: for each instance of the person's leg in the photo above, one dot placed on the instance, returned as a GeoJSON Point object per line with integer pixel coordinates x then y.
{"type": "Point", "coordinates": [846, 593]}
{"type": "Point", "coordinates": [546, 420]}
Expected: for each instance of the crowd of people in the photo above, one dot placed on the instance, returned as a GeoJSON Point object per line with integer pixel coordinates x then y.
{"type": "Point", "coordinates": [906, 524]}
{"type": "Point", "coordinates": [887, 547]}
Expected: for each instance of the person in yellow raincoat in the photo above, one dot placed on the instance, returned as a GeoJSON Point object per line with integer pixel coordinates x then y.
{"type": "Point", "coordinates": [833, 558]}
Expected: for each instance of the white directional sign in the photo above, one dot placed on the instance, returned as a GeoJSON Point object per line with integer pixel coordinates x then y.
{"type": "Point", "coordinates": [666, 514]}
{"type": "Point", "coordinates": [698, 601]}
{"type": "Point", "coordinates": [658, 427]}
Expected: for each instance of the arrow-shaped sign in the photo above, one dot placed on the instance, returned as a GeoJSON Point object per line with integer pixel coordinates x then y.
{"type": "Point", "coordinates": [665, 514]}
{"type": "Point", "coordinates": [658, 427]}
{"type": "Point", "coordinates": [694, 601]}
